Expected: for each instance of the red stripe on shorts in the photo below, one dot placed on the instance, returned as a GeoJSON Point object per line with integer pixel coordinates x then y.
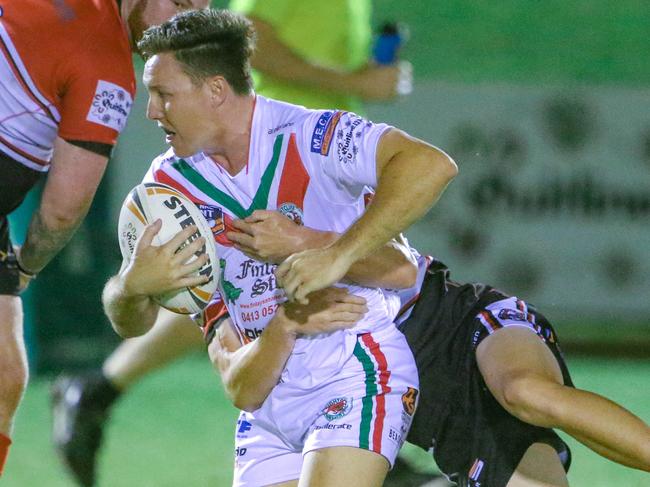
{"type": "Point", "coordinates": [380, 399]}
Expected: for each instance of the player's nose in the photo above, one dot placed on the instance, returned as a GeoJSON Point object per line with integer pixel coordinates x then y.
{"type": "Point", "coordinates": [153, 110]}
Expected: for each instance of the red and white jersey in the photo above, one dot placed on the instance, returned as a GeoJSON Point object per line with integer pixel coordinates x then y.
{"type": "Point", "coordinates": [310, 165]}
{"type": "Point", "coordinates": [66, 70]}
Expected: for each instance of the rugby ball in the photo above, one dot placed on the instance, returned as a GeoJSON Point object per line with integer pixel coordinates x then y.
{"type": "Point", "coordinates": [150, 201]}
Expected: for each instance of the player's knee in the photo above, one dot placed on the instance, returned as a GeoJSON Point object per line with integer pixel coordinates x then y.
{"type": "Point", "coordinates": [530, 398]}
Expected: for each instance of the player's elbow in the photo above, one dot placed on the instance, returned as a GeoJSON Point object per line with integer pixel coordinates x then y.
{"type": "Point", "coordinates": [63, 218]}
{"type": "Point", "coordinates": [443, 164]}
{"type": "Point", "coordinates": [128, 330]}
{"type": "Point", "coordinates": [248, 406]}
{"type": "Point", "coordinates": [127, 327]}
{"type": "Point", "coordinates": [243, 400]}
{"type": "Point", "coordinates": [405, 276]}
{"type": "Point", "coordinates": [245, 395]}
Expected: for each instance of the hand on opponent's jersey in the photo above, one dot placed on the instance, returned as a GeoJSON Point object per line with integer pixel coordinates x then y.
{"type": "Point", "coordinates": [270, 236]}
{"type": "Point", "coordinates": [155, 270]}
{"type": "Point", "coordinates": [311, 270]}
{"type": "Point", "coordinates": [328, 310]}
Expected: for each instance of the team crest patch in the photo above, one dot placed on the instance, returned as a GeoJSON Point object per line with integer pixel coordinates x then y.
{"type": "Point", "coordinates": [292, 212]}
{"type": "Point", "coordinates": [214, 216]}
{"type": "Point", "coordinates": [337, 408]}
{"type": "Point", "coordinates": [323, 134]}
{"type": "Point", "coordinates": [410, 400]}
{"type": "Point", "coordinates": [110, 106]}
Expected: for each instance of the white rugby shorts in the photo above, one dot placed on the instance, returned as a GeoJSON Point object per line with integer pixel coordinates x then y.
{"type": "Point", "coordinates": [369, 404]}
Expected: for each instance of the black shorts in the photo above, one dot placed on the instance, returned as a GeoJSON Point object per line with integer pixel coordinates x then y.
{"type": "Point", "coordinates": [15, 182]}
{"type": "Point", "coordinates": [475, 441]}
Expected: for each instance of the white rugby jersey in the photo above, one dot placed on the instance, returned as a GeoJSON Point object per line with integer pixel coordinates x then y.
{"type": "Point", "coordinates": [310, 165]}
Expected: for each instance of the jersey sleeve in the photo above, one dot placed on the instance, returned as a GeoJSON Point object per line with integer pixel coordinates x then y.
{"type": "Point", "coordinates": [211, 317]}
{"type": "Point", "coordinates": [97, 95]}
{"type": "Point", "coordinates": [343, 146]}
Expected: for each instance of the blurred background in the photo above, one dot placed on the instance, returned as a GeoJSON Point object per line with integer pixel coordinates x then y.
{"type": "Point", "coordinates": [543, 105]}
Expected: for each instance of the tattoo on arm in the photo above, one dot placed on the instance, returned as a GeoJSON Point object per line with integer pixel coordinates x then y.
{"type": "Point", "coordinates": [43, 243]}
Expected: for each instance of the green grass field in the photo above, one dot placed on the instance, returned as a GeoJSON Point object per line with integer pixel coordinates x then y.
{"type": "Point", "coordinates": [176, 429]}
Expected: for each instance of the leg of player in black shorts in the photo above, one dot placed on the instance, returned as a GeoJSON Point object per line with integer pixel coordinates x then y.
{"type": "Point", "coordinates": [529, 386]}
{"type": "Point", "coordinates": [493, 385]}
{"type": "Point", "coordinates": [15, 182]}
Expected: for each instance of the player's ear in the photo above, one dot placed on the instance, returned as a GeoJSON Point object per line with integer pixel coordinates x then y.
{"type": "Point", "coordinates": [218, 89]}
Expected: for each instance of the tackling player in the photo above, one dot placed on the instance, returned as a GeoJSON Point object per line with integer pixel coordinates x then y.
{"type": "Point", "coordinates": [493, 381]}
{"type": "Point", "coordinates": [61, 111]}
{"type": "Point", "coordinates": [234, 152]}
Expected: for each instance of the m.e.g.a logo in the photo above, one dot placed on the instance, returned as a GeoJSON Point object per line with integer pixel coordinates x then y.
{"type": "Point", "coordinates": [323, 134]}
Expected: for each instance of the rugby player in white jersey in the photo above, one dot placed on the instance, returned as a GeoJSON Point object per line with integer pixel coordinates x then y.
{"type": "Point", "coordinates": [234, 153]}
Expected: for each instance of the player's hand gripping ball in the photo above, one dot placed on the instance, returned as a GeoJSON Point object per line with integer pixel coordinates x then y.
{"type": "Point", "coordinates": [151, 201]}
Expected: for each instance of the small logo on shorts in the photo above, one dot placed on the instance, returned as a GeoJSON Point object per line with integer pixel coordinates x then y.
{"type": "Point", "coordinates": [243, 427]}
{"type": "Point", "coordinates": [512, 315]}
{"type": "Point", "coordinates": [292, 212]}
{"type": "Point", "coordinates": [475, 472]}
{"type": "Point", "coordinates": [409, 400]}
{"type": "Point", "coordinates": [337, 408]}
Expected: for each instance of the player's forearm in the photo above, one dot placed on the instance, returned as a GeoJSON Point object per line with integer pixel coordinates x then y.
{"type": "Point", "coordinates": [274, 58]}
{"type": "Point", "coordinates": [45, 238]}
{"type": "Point", "coordinates": [390, 267]}
{"type": "Point", "coordinates": [130, 315]}
{"type": "Point", "coordinates": [254, 370]}
{"type": "Point", "coordinates": [409, 185]}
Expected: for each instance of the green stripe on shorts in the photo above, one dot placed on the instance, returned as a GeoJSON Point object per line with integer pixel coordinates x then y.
{"type": "Point", "coordinates": [371, 391]}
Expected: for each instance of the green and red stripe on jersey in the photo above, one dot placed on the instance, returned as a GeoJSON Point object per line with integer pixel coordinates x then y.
{"type": "Point", "coordinates": [161, 176]}
{"type": "Point", "coordinates": [373, 411]}
{"type": "Point", "coordinates": [292, 187]}
{"type": "Point", "coordinates": [295, 178]}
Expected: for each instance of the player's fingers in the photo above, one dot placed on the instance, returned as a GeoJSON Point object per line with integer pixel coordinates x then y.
{"type": "Point", "coordinates": [348, 317]}
{"type": "Point", "coordinates": [150, 231]}
{"type": "Point", "coordinates": [351, 308]}
{"type": "Point", "coordinates": [342, 324]}
{"type": "Point", "coordinates": [282, 271]}
{"type": "Point", "coordinates": [302, 290]}
{"type": "Point", "coordinates": [243, 226]}
{"type": "Point", "coordinates": [248, 252]}
{"type": "Point", "coordinates": [185, 253]}
{"type": "Point", "coordinates": [193, 266]}
{"type": "Point", "coordinates": [259, 216]}
{"type": "Point", "coordinates": [290, 284]}
{"type": "Point", "coordinates": [241, 238]}
{"type": "Point", "coordinates": [178, 239]}
{"type": "Point", "coordinates": [192, 281]}
{"type": "Point", "coordinates": [351, 299]}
